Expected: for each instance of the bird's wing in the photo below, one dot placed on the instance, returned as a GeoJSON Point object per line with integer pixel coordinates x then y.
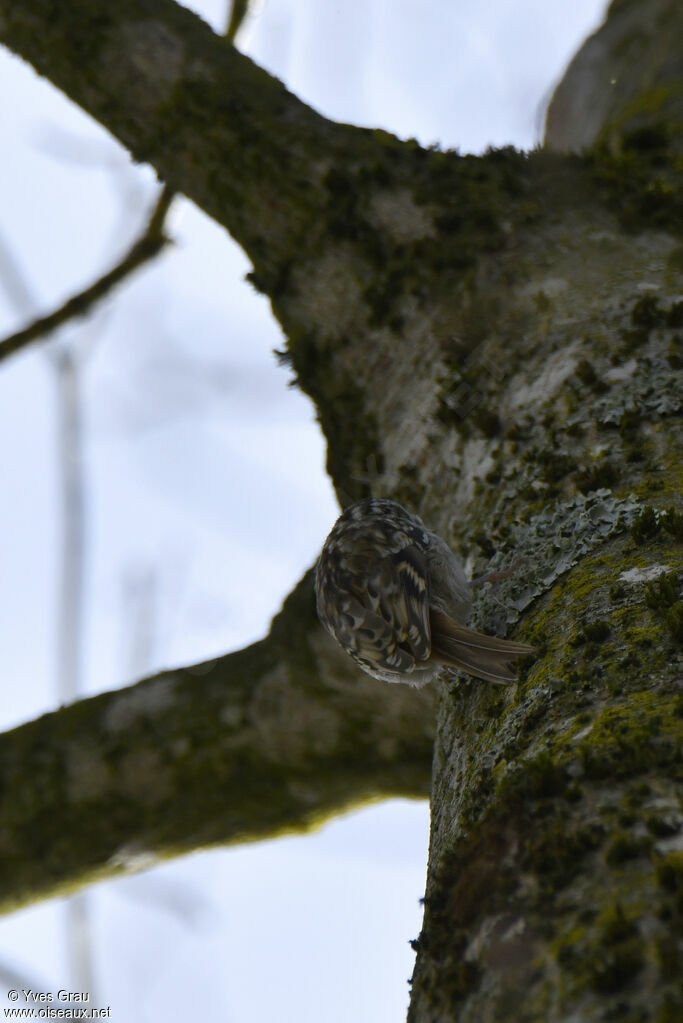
{"type": "Point", "coordinates": [390, 609]}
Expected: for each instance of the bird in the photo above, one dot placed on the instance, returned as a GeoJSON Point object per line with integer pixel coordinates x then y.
{"type": "Point", "coordinates": [394, 597]}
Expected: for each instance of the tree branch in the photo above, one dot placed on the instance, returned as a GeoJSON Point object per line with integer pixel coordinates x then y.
{"type": "Point", "coordinates": [215, 126]}
{"type": "Point", "coordinates": [268, 739]}
{"type": "Point", "coordinates": [151, 242]}
{"type": "Point", "coordinates": [626, 78]}
{"type": "Point", "coordinates": [144, 249]}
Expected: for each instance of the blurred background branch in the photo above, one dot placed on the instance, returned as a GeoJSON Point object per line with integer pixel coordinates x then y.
{"type": "Point", "coordinates": [144, 249]}
{"type": "Point", "coordinates": [271, 739]}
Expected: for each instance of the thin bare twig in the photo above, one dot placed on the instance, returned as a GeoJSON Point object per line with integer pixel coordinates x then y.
{"type": "Point", "coordinates": [238, 12]}
{"type": "Point", "coordinates": [144, 249]}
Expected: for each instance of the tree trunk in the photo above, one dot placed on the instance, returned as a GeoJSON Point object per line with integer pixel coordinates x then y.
{"type": "Point", "coordinates": [493, 341]}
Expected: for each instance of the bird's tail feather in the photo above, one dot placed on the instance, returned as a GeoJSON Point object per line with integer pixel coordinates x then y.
{"type": "Point", "coordinates": [485, 657]}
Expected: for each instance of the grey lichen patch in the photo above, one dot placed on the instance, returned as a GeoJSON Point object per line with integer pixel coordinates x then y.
{"type": "Point", "coordinates": [132, 858]}
{"type": "Point", "coordinates": [232, 716]}
{"type": "Point", "coordinates": [553, 541]}
{"type": "Point", "coordinates": [144, 777]}
{"type": "Point", "coordinates": [397, 214]}
{"type": "Point", "coordinates": [142, 701]}
{"type": "Point", "coordinates": [291, 725]}
{"type": "Point", "coordinates": [88, 775]}
{"type": "Point", "coordinates": [541, 388]}
{"type": "Point", "coordinates": [476, 462]}
{"type": "Point", "coordinates": [652, 390]}
{"type": "Point", "coordinates": [503, 940]}
{"type": "Point", "coordinates": [329, 292]}
{"type": "Point", "coordinates": [145, 59]}
{"type": "Point", "coordinates": [625, 371]}
{"type": "Point", "coordinates": [548, 287]}
{"type": "Point", "coordinates": [180, 748]}
{"type": "Point", "coordinates": [633, 576]}
{"type": "Point", "coordinates": [405, 404]}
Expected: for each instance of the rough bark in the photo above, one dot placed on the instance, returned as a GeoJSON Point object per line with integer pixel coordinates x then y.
{"type": "Point", "coordinates": [494, 342]}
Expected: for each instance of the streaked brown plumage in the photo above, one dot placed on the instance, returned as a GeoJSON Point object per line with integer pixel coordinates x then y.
{"type": "Point", "coordinates": [393, 595]}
